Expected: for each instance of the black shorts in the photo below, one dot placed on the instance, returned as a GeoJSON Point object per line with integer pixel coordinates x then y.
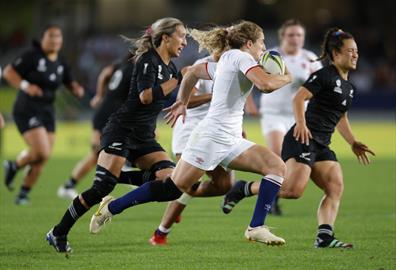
{"type": "Point", "coordinates": [100, 119]}
{"type": "Point", "coordinates": [103, 113]}
{"type": "Point", "coordinates": [30, 120]}
{"type": "Point", "coordinates": [307, 154]}
{"type": "Point", "coordinates": [120, 142]}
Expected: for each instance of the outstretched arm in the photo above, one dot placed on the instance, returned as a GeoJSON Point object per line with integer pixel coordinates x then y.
{"type": "Point", "coordinates": [358, 148]}
{"type": "Point", "coordinates": [190, 79]}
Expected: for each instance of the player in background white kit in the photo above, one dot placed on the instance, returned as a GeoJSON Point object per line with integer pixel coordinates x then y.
{"type": "Point", "coordinates": [217, 140]}
{"type": "Point", "coordinates": [276, 108]}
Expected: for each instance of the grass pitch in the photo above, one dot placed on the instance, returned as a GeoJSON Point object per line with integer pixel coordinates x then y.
{"type": "Point", "coordinates": [206, 238]}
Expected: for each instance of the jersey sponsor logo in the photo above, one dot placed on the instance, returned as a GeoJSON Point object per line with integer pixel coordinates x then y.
{"type": "Point", "coordinates": [199, 160]}
{"type": "Point", "coordinates": [160, 76]}
{"type": "Point", "coordinates": [41, 65]}
{"type": "Point", "coordinates": [338, 88]}
{"type": "Point", "coordinates": [33, 122]}
{"type": "Point", "coordinates": [59, 70]}
{"type": "Point", "coordinates": [52, 77]}
{"type": "Point", "coordinates": [306, 156]}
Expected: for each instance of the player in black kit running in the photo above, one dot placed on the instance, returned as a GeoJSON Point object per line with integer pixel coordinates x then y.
{"type": "Point", "coordinates": [37, 73]}
{"type": "Point", "coordinates": [306, 145]}
{"type": "Point", "coordinates": [111, 92]}
{"type": "Point", "coordinates": [130, 132]}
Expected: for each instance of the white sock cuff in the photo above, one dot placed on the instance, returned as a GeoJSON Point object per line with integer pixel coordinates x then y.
{"type": "Point", "coordinates": [184, 198]}
{"type": "Point", "coordinates": [274, 178]}
{"type": "Point", "coordinates": [163, 229]}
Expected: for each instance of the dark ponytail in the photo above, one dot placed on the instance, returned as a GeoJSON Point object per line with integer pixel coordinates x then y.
{"type": "Point", "coordinates": [333, 40]}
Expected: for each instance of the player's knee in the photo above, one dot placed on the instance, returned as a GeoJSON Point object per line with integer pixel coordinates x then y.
{"type": "Point", "coordinates": [163, 174]}
{"type": "Point", "coordinates": [277, 167]}
{"type": "Point", "coordinates": [162, 169]}
{"type": "Point", "coordinates": [103, 185]}
{"type": "Point", "coordinates": [335, 188]}
{"type": "Point", "coordinates": [41, 155]}
{"type": "Point", "coordinates": [290, 193]}
{"type": "Point", "coordinates": [222, 186]}
{"type": "Point", "coordinates": [95, 148]}
{"type": "Point", "coordinates": [165, 190]}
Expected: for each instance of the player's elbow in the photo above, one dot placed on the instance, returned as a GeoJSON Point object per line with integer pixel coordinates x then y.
{"type": "Point", "coordinates": [265, 86]}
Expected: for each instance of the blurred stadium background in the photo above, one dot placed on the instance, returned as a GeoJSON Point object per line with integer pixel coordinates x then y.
{"type": "Point", "coordinates": [91, 31]}
{"type": "Point", "coordinates": [92, 27]}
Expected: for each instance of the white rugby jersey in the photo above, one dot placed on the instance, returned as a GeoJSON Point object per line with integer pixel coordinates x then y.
{"type": "Point", "coordinates": [203, 87]}
{"type": "Point", "coordinates": [300, 66]}
{"type": "Point", "coordinates": [230, 90]}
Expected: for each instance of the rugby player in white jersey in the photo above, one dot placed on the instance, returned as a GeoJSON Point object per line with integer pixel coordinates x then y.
{"type": "Point", "coordinates": [276, 108]}
{"type": "Point", "coordinates": [217, 140]}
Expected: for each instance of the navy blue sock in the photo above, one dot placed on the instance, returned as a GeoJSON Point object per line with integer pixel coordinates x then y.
{"type": "Point", "coordinates": [138, 196]}
{"type": "Point", "coordinates": [269, 188]}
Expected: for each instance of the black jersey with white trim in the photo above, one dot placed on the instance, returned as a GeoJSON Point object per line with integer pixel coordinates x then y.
{"type": "Point", "coordinates": [332, 97]}
{"type": "Point", "coordinates": [35, 67]}
{"type": "Point", "coordinates": [138, 118]}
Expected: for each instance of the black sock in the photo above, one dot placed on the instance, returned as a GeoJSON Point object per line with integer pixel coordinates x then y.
{"type": "Point", "coordinates": [325, 232]}
{"type": "Point", "coordinates": [14, 165]}
{"type": "Point", "coordinates": [75, 210]}
{"type": "Point", "coordinates": [248, 189]}
{"type": "Point", "coordinates": [136, 178]}
{"type": "Point", "coordinates": [71, 183]}
{"type": "Point", "coordinates": [23, 193]}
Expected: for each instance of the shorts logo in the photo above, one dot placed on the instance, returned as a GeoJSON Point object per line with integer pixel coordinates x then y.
{"type": "Point", "coordinates": [199, 160]}
{"type": "Point", "coordinates": [306, 156]}
{"type": "Point", "coordinates": [33, 122]}
{"type": "Point", "coordinates": [115, 146]}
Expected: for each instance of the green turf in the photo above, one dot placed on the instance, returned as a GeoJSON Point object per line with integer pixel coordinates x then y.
{"type": "Point", "coordinates": [206, 238]}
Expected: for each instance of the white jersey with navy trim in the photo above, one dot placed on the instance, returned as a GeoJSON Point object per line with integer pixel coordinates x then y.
{"type": "Point", "coordinates": [230, 90]}
{"type": "Point", "coordinates": [300, 66]}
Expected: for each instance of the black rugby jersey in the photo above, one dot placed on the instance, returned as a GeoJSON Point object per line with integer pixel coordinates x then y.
{"type": "Point", "coordinates": [140, 119]}
{"type": "Point", "coordinates": [117, 88]}
{"type": "Point", "coordinates": [34, 66]}
{"type": "Point", "coordinates": [332, 97]}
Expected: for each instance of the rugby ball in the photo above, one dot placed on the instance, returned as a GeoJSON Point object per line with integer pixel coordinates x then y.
{"type": "Point", "coordinates": [272, 62]}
